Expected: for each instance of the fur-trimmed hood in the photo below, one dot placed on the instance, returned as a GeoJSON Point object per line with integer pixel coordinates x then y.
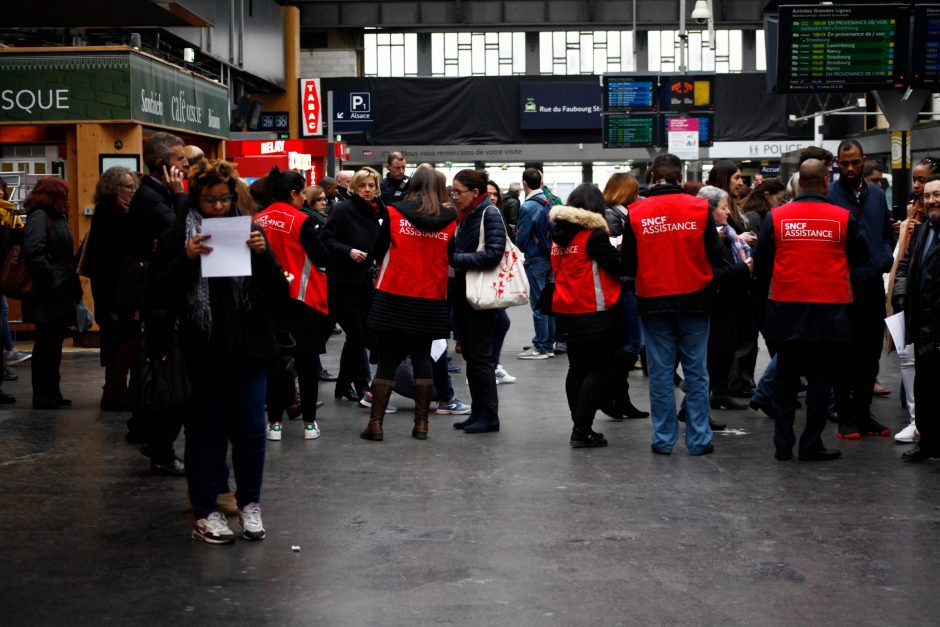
{"type": "Point", "coordinates": [567, 221]}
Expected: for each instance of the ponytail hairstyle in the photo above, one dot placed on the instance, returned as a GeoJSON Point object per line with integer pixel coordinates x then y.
{"type": "Point", "coordinates": [282, 183]}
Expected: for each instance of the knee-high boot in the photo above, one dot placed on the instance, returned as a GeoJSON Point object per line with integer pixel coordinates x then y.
{"type": "Point", "coordinates": [422, 394]}
{"type": "Point", "coordinates": [381, 392]}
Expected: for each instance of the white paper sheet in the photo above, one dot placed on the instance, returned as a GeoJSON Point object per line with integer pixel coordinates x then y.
{"type": "Point", "coordinates": [230, 254]}
{"type": "Point", "coordinates": [437, 348]}
{"type": "Point", "coordinates": [896, 329]}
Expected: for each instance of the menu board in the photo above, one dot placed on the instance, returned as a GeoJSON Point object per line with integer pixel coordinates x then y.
{"type": "Point", "coordinates": [925, 68]}
{"type": "Point", "coordinates": [626, 93]}
{"type": "Point", "coordinates": [630, 131]}
{"type": "Point", "coordinates": [688, 93]}
{"type": "Point", "coordinates": [842, 48]}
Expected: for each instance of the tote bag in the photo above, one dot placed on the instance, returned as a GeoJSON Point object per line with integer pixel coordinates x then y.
{"type": "Point", "coordinates": [502, 286]}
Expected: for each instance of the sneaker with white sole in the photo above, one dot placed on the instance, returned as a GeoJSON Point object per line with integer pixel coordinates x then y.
{"type": "Point", "coordinates": [907, 435]}
{"type": "Point", "coordinates": [15, 357]}
{"type": "Point", "coordinates": [366, 401]}
{"type": "Point", "coordinates": [533, 353]}
{"type": "Point", "coordinates": [453, 408]}
{"type": "Point", "coordinates": [502, 376]}
{"type": "Point", "coordinates": [274, 431]}
{"type": "Point", "coordinates": [213, 529]}
{"type": "Point", "coordinates": [311, 430]}
{"type": "Point", "coordinates": [249, 518]}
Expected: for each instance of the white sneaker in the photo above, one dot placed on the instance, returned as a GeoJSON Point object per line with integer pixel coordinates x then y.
{"type": "Point", "coordinates": [533, 353]}
{"type": "Point", "coordinates": [249, 518]}
{"type": "Point", "coordinates": [908, 434]}
{"type": "Point", "coordinates": [311, 430]}
{"type": "Point", "coordinates": [502, 376]}
{"type": "Point", "coordinates": [274, 431]}
{"type": "Point", "coordinates": [213, 529]}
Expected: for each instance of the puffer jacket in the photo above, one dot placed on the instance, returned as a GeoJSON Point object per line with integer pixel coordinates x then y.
{"type": "Point", "coordinates": [463, 252]}
{"type": "Point", "coordinates": [917, 294]}
{"type": "Point", "coordinates": [616, 217]}
{"type": "Point", "coordinates": [50, 259]}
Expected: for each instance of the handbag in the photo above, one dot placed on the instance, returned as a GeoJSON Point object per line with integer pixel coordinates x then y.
{"type": "Point", "coordinates": [83, 317]}
{"type": "Point", "coordinates": [15, 280]}
{"type": "Point", "coordinates": [160, 381]}
{"type": "Point", "coordinates": [504, 285]}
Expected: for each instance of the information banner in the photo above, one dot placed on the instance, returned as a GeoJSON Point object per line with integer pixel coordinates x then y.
{"type": "Point", "coordinates": [353, 112]}
{"type": "Point", "coordinates": [683, 137]}
{"type": "Point", "coordinates": [559, 106]}
{"type": "Point", "coordinates": [312, 101]}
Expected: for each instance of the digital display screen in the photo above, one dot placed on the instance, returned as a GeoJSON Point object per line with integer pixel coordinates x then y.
{"type": "Point", "coordinates": [925, 68]}
{"type": "Point", "coordinates": [842, 48]}
{"type": "Point", "coordinates": [625, 93]}
{"type": "Point", "coordinates": [630, 131]}
{"type": "Point", "coordinates": [705, 123]}
{"type": "Point", "coordinates": [688, 93]}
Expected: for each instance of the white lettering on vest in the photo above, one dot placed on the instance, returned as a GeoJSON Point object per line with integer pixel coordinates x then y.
{"type": "Point", "coordinates": [810, 229]}
{"type": "Point", "coordinates": [569, 250]}
{"type": "Point", "coordinates": [660, 224]}
{"type": "Point", "coordinates": [275, 220]}
{"type": "Point", "coordinates": [407, 228]}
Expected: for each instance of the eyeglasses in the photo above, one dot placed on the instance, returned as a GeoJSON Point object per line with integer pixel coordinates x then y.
{"type": "Point", "coordinates": [455, 193]}
{"type": "Point", "coordinates": [127, 185]}
{"type": "Point", "coordinates": [211, 200]}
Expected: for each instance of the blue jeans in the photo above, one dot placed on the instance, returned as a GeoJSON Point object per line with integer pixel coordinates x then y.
{"type": "Point", "coordinates": [683, 337]}
{"type": "Point", "coordinates": [632, 331]}
{"type": "Point", "coordinates": [764, 394]}
{"type": "Point", "coordinates": [5, 336]}
{"type": "Point", "coordinates": [539, 273]}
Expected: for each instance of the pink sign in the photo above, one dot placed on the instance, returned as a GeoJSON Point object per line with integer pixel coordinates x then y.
{"type": "Point", "coordinates": [683, 125]}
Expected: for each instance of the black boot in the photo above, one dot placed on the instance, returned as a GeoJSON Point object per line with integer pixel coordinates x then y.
{"type": "Point", "coordinates": [582, 436]}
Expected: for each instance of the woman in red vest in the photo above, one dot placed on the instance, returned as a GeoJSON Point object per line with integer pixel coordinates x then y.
{"type": "Point", "coordinates": [586, 305]}
{"type": "Point", "coordinates": [293, 236]}
{"type": "Point", "coordinates": [409, 309]}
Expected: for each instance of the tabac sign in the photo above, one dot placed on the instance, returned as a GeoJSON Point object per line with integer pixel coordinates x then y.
{"type": "Point", "coordinates": [104, 86]}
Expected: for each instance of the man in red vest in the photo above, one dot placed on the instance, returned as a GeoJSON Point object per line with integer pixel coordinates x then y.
{"type": "Point", "coordinates": [670, 243]}
{"type": "Point", "coordinates": [803, 254]}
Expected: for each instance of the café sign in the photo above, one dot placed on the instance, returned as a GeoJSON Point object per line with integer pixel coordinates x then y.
{"type": "Point", "coordinates": [105, 86]}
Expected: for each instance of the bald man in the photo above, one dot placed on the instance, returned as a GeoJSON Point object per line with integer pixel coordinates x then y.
{"type": "Point", "coordinates": [194, 154]}
{"type": "Point", "coordinates": [803, 256]}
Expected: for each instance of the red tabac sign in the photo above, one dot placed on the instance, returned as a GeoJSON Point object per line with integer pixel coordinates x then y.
{"type": "Point", "coordinates": [311, 109]}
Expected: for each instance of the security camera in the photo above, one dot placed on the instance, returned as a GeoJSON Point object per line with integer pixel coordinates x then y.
{"type": "Point", "coordinates": [700, 12]}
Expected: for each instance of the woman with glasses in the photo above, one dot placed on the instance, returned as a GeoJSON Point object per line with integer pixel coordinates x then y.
{"type": "Point", "coordinates": [475, 210]}
{"type": "Point", "coordinates": [104, 249]}
{"type": "Point", "coordinates": [226, 330]}
{"type": "Point", "coordinates": [349, 237]}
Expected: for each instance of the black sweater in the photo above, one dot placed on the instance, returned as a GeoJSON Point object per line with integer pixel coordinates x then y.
{"type": "Point", "coordinates": [352, 225]}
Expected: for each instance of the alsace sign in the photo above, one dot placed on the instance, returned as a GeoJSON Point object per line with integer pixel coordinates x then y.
{"type": "Point", "coordinates": [99, 86]}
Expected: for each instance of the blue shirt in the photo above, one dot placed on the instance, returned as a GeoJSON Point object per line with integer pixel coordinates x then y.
{"type": "Point", "coordinates": [870, 210]}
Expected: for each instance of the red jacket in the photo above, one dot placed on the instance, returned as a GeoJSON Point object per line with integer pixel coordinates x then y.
{"type": "Point", "coordinates": [581, 286]}
{"type": "Point", "coordinates": [416, 262]}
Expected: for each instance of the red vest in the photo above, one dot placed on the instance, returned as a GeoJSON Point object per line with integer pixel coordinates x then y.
{"type": "Point", "coordinates": [281, 223]}
{"type": "Point", "coordinates": [416, 262]}
{"type": "Point", "coordinates": [670, 250]}
{"type": "Point", "coordinates": [810, 264]}
{"type": "Point", "coordinates": [581, 286]}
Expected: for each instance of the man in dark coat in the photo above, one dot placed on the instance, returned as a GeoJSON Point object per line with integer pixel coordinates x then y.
{"type": "Point", "coordinates": [917, 294]}
{"type": "Point", "coordinates": [395, 182]}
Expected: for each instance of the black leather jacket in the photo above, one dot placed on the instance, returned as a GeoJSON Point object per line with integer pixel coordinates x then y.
{"type": "Point", "coordinates": [917, 293]}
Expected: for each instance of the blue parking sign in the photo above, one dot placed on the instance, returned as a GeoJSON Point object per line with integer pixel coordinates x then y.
{"type": "Point", "coordinates": [352, 112]}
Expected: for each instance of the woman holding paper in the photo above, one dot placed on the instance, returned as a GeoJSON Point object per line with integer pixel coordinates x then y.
{"type": "Point", "coordinates": [409, 309]}
{"type": "Point", "coordinates": [226, 329]}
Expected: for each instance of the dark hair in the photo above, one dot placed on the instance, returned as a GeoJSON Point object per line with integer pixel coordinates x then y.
{"type": "Point", "coordinates": [586, 196]}
{"type": "Point", "coordinates": [3, 189]}
{"type": "Point", "coordinates": [532, 177]}
{"type": "Point", "coordinates": [424, 187]}
{"type": "Point", "coordinates": [721, 174]}
{"type": "Point", "coordinates": [283, 182]}
{"type": "Point", "coordinates": [931, 163]}
{"type": "Point", "coordinates": [666, 167]}
{"type": "Point", "coordinates": [756, 201]}
{"type": "Point", "coordinates": [50, 192]}
{"type": "Point", "coordinates": [816, 152]}
{"type": "Point", "coordinates": [392, 156]}
{"type": "Point", "coordinates": [693, 187]}
{"type": "Point", "coordinates": [327, 182]}
{"type": "Point", "coordinates": [934, 178]}
{"type": "Point", "coordinates": [208, 173]}
{"type": "Point", "coordinates": [871, 166]}
{"type": "Point", "coordinates": [158, 148]}
{"type": "Point", "coordinates": [472, 179]}
{"type": "Point", "coordinates": [499, 193]}
{"type": "Point", "coordinates": [849, 144]}
{"type": "Point", "coordinates": [260, 190]}
{"type": "Point", "coordinates": [244, 200]}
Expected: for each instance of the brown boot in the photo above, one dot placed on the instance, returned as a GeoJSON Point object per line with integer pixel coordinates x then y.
{"type": "Point", "coordinates": [381, 392]}
{"type": "Point", "coordinates": [424, 388]}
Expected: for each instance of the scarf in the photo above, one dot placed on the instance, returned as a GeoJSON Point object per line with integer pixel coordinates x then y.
{"type": "Point", "coordinates": [199, 305]}
{"type": "Point", "coordinates": [374, 205]}
{"type": "Point", "coordinates": [476, 202]}
{"type": "Point", "coordinates": [737, 246]}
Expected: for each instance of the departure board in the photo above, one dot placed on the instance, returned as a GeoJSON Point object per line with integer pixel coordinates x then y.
{"type": "Point", "coordinates": [630, 131]}
{"type": "Point", "coordinates": [842, 48]}
{"type": "Point", "coordinates": [630, 93]}
{"type": "Point", "coordinates": [925, 61]}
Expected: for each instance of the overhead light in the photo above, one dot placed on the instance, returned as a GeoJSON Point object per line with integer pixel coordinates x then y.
{"type": "Point", "coordinates": [700, 12]}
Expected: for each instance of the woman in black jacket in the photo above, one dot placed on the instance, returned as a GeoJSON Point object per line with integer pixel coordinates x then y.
{"type": "Point", "coordinates": [409, 310]}
{"type": "Point", "coordinates": [50, 258]}
{"type": "Point", "coordinates": [349, 236]}
{"type": "Point", "coordinates": [104, 249]}
{"type": "Point", "coordinates": [477, 327]}
{"type": "Point", "coordinates": [226, 330]}
{"type": "Point", "coordinates": [586, 306]}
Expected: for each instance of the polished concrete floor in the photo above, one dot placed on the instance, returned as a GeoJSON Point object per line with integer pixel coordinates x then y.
{"type": "Point", "coordinates": [513, 528]}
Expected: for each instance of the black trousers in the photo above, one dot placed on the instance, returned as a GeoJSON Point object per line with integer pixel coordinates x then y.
{"type": "Point", "coordinates": [349, 306]}
{"type": "Point", "coordinates": [47, 360]}
{"type": "Point", "coordinates": [824, 365]}
{"type": "Point", "coordinates": [477, 328]}
{"type": "Point", "coordinates": [394, 347]}
{"type": "Point", "coordinates": [867, 315]}
{"type": "Point", "coordinates": [280, 387]}
{"type": "Point", "coordinates": [589, 379]}
{"type": "Point", "coordinates": [927, 400]}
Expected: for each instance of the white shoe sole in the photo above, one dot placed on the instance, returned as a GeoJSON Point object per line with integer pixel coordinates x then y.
{"type": "Point", "coordinates": [311, 435]}
{"type": "Point", "coordinates": [274, 436]}
{"type": "Point", "coordinates": [204, 538]}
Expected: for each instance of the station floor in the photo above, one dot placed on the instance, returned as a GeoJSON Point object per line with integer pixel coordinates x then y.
{"type": "Point", "coordinates": [513, 528]}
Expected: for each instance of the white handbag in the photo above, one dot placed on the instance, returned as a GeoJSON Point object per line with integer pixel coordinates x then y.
{"type": "Point", "coordinates": [502, 286]}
